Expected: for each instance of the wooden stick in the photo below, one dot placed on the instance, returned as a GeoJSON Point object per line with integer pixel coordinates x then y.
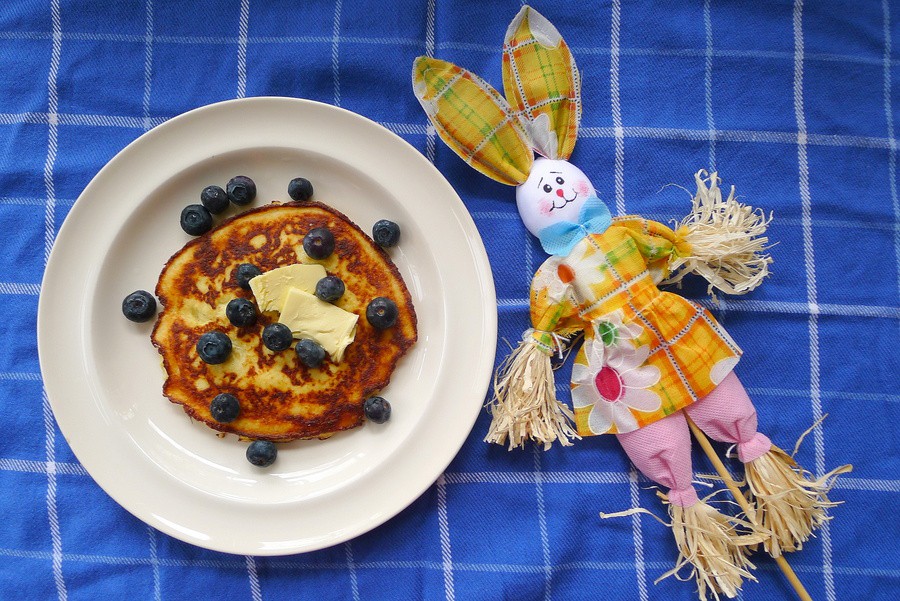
{"type": "Point", "coordinates": [745, 504]}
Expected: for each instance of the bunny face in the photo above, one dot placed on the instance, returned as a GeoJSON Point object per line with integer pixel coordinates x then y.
{"type": "Point", "coordinates": [554, 191]}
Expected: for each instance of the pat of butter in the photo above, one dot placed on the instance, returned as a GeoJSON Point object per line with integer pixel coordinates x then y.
{"type": "Point", "coordinates": [309, 317]}
{"type": "Point", "coordinates": [271, 288]}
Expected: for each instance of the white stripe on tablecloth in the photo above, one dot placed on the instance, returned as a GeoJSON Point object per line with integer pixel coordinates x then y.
{"type": "Point", "coordinates": [462, 478]}
{"type": "Point", "coordinates": [351, 567]}
{"type": "Point", "coordinates": [41, 467]}
{"type": "Point", "coordinates": [443, 522]}
{"type": "Point", "coordinates": [243, 25]}
{"type": "Point", "coordinates": [736, 135]}
{"type": "Point", "coordinates": [444, 527]}
{"type": "Point", "coordinates": [889, 118]}
{"type": "Point", "coordinates": [293, 565]}
{"type": "Point", "coordinates": [77, 119]}
{"type": "Point", "coordinates": [429, 51]}
{"type": "Point", "coordinates": [710, 121]}
{"type": "Point", "coordinates": [255, 592]}
{"type": "Point", "coordinates": [868, 484]}
{"type": "Point", "coordinates": [399, 41]}
{"type": "Point", "coordinates": [30, 200]}
{"type": "Point", "coordinates": [528, 478]}
{"type": "Point", "coordinates": [618, 132]}
{"type": "Point", "coordinates": [832, 395]}
{"type": "Point", "coordinates": [810, 264]}
{"type": "Point", "coordinates": [148, 61]}
{"type": "Point", "coordinates": [22, 376]}
{"type": "Point", "coordinates": [335, 56]}
{"type": "Point", "coordinates": [52, 136]}
{"type": "Point", "coordinates": [17, 288]}
{"type": "Point", "coordinates": [418, 129]}
{"type": "Point", "coordinates": [542, 524]}
{"type": "Point", "coordinates": [49, 235]}
{"type": "Point", "coordinates": [52, 514]}
{"type": "Point", "coordinates": [707, 85]}
{"type": "Point", "coordinates": [154, 561]}
{"type": "Point", "coordinates": [638, 534]}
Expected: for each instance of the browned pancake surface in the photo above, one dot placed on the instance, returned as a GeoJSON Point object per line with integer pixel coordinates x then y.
{"type": "Point", "coordinates": [281, 399]}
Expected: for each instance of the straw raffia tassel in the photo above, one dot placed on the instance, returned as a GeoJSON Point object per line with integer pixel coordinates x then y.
{"type": "Point", "coordinates": [524, 406]}
{"type": "Point", "coordinates": [790, 502]}
{"type": "Point", "coordinates": [709, 544]}
{"type": "Point", "coordinates": [726, 238]}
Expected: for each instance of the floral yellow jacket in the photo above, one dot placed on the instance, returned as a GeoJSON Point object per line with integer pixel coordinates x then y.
{"type": "Point", "coordinates": [646, 353]}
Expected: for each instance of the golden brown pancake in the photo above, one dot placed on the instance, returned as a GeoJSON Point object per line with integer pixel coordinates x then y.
{"type": "Point", "coordinates": [280, 398]}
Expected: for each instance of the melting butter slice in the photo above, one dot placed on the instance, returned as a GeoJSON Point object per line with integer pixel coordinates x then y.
{"type": "Point", "coordinates": [271, 288]}
{"type": "Point", "coordinates": [310, 317]}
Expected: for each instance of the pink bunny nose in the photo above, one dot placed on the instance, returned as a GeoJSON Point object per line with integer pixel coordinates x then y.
{"type": "Point", "coordinates": [559, 193]}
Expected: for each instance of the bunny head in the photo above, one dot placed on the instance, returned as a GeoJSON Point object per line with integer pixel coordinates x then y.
{"type": "Point", "coordinates": [498, 136]}
{"type": "Point", "coordinates": [554, 191]}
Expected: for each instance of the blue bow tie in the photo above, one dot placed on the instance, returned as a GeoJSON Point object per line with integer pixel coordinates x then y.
{"type": "Point", "coordinates": [560, 238]}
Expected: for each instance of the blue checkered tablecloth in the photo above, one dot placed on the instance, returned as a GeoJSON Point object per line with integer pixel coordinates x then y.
{"type": "Point", "coordinates": [794, 103]}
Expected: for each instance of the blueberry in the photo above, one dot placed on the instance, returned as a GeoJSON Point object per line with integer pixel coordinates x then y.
{"type": "Point", "coordinates": [330, 288]}
{"type": "Point", "coordinates": [310, 353]}
{"type": "Point", "coordinates": [214, 199]}
{"type": "Point", "coordinates": [386, 233]}
{"type": "Point", "coordinates": [262, 453]}
{"type": "Point", "coordinates": [240, 312]}
{"type": "Point", "coordinates": [319, 243]}
{"type": "Point", "coordinates": [241, 190]}
{"type": "Point", "coordinates": [300, 189]}
{"type": "Point", "coordinates": [214, 347]}
{"type": "Point", "coordinates": [196, 220]}
{"type": "Point", "coordinates": [277, 336]}
{"type": "Point", "coordinates": [377, 409]}
{"type": "Point", "coordinates": [139, 306]}
{"type": "Point", "coordinates": [381, 313]}
{"type": "Point", "coordinates": [244, 273]}
{"type": "Point", "coordinates": [224, 408]}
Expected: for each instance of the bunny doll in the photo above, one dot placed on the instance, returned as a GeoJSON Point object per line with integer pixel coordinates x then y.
{"type": "Point", "coordinates": [648, 356]}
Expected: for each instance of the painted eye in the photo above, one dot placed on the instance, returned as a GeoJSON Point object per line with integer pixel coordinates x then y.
{"type": "Point", "coordinates": [560, 181]}
{"type": "Point", "coordinates": [548, 188]}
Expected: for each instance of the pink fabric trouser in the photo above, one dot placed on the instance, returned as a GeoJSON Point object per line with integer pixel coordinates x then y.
{"type": "Point", "coordinates": [662, 450]}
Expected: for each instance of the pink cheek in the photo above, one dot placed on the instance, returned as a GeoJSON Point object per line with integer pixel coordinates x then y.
{"type": "Point", "coordinates": [545, 205]}
{"type": "Point", "coordinates": [583, 188]}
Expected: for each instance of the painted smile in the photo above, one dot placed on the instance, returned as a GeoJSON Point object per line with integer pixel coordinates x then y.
{"type": "Point", "coordinates": [565, 202]}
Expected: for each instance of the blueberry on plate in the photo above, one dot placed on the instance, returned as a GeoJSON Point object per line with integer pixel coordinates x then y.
{"type": "Point", "coordinates": [300, 189]}
{"type": "Point", "coordinates": [377, 409]}
{"type": "Point", "coordinates": [319, 243]}
{"type": "Point", "coordinates": [214, 199]}
{"type": "Point", "coordinates": [214, 347]}
{"type": "Point", "coordinates": [277, 336]}
{"type": "Point", "coordinates": [196, 220]}
{"type": "Point", "coordinates": [386, 233]}
{"type": "Point", "coordinates": [330, 288]}
{"type": "Point", "coordinates": [139, 306]}
{"type": "Point", "coordinates": [382, 313]}
{"type": "Point", "coordinates": [310, 353]}
{"type": "Point", "coordinates": [244, 273]}
{"type": "Point", "coordinates": [240, 312]}
{"type": "Point", "coordinates": [241, 190]}
{"type": "Point", "coordinates": [262, 453]}
{"type": "Point", "coordinates": [224, 408]}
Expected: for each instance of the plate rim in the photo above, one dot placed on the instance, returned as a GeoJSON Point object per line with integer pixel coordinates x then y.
{"type": "Point", "coordinates": [143, 511]}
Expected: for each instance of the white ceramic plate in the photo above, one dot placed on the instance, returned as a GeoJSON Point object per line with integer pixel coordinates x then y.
{"type": "Point", "coordinates": [104, 379]}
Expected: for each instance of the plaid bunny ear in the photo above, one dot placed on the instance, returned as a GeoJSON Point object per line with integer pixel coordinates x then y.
{"type": "Point", "coordinates": [541, 81]}
{"type": "Point", "coordinates": [474, 120]}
